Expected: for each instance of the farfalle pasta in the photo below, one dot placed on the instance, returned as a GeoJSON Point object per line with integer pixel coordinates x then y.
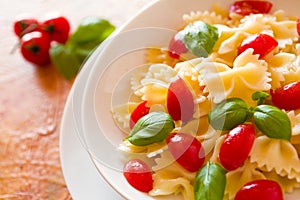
{"type": "Point", "coordinates": [212, 77]}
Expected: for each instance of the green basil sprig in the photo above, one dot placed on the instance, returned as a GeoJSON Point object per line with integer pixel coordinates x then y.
{"type": "Point", "coordinates": [269, 119]}
{"type": "Point", "coordinates": [228, 114]}
{"type": "Point", "coordinates": [200, 38]}
{"type": "Point", "coordinates": [272, 121]}
{"type": "Point", "coordinates": [210, 182]}
{"type": "Point", "coordinates": [69, 57]}
{"type": "Point", "coordinates": [151, 128]}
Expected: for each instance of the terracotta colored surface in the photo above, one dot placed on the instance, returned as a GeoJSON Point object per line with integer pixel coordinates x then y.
{"type": "Point", "coordinates": [32, 100]}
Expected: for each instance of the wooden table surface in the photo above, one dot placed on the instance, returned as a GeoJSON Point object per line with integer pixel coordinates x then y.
{"type": "Point", "coordinates": [32, 99]}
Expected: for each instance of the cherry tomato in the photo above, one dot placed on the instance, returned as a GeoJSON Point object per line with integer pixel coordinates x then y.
{"type": "Point", "coordinates": [23, 26]}
{"type": "Point", "coordinates": [35, 48]}
{"type": "Point", "coordinates": [138, 175]}
{"type": "Point", "coordinates": [187, 151]}
{"type": "Point", "coordinates": [236, 146]}
{"type": "Point", "coordinates": [177, 46]}
{"type": "Point", "coordinates": [298, 25]}
{"type": "Point", "coordinates": [261, 43]}
{"type": "Point", "coordinates": [140, 111]}
{"type": "Point", "coordinates": [260, 190]}
{"type": "Point", "coordinates": [287, 97]}
{"type": "Point", "coordinates": [248, 7]}
{"type": "Point", "coordinates": [58, 28]}
{"type": "Point", "coordinates": [180, 101]}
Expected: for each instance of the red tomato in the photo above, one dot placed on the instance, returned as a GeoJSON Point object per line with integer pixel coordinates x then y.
{"type": "Point", "coordinates": [298, 25]}
{"type": "Point", "coordinates": [187, 151]}
{"type": "Point", "coordinates": [140, 111]}
{"type": "Point", "coordinates": [23, 26]}
{"type": "Point", "coordinates": [260, 190]}
{"type": "Point", "coordinates": [58, 28]}
{"type": "Point", "coordinates": [287, 97]}
{"type": "Point", "coordinates": [180, 101]}
{"type": "Point", "coordinates": [35, 48]}
{"type": "Point", "coordinates": [236, 146]}
{"type": "Point", "coordinates": [138, 175]}
{"type": "Point", "coordinates": [261, 43]}
{"type": "Point", "coordinates": [248, 7]}
{"type": "Point", "coordinates": [177, 46]}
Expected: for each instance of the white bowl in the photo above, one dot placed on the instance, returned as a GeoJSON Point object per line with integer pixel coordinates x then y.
{"type": "Point", "coordinates": [124, 52]}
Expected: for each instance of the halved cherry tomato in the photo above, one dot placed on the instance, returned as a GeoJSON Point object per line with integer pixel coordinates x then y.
{"type": "Point", "coordinates": [138, 175]}
{"type": "Point", "coordinates": [236, 146]}
{"type": "Point", "coordinates": [261, 43]}
{"type": "Point", "coordinates": [180, 101]}
{"type": "Point", "coordinates": [260, 190]}
{"type": "Point", "coordinates": [298, 25]}
{"type": "Point", "coordinates": [177, 46]}
{"type": "Point", "coordinates": [287, 97]}
{"type": "Point", "coordinates": [249, 7]}
{"type": "Point", "coordinates": [23, 26]}
{"type": "Point", "coordinates": [187, 151]}
{"type": "Point", "coordinates": [140, 111]}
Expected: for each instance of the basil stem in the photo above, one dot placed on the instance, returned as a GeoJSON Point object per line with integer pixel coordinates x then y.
{"type": "Point", "coordinates": [210, 182]}
{"type": "Point", "coordinates": [200, 38]}
{"type": "Point", "coordinates": [228, 114]}
{"type": "Point", "coordinates": [260, 97]}
{"type": "Point", "coordinates": [151, 128]}
{"type": "Point", "coordinates": [273, 122]}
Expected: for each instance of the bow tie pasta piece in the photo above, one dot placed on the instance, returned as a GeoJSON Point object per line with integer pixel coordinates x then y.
{"type": "Point", "coordinates": [187, 71]}
{"type": "Point", "coordinates": [281, 15]}
{"type": "Point", "coordinates": [165, 187]}
{"type": "Point", "coordinates": [121, 115]}
{"type": "Point", "coordinates": [136, 78]}
{"type": "Point", "coordinates": [231, 44]}
{"type": "Point", "coordinates": [284, 68]}
{"type": "Point", "coordinates": [170, 178]}
{"type": "Point", "coordinates": [292, 75]}
{"type": "Point", "coordinates": [256, 23]}
{"type": "Point", "coordinates": [225, 50]}
{"type": "Point", "coordinates": [285, 33]}
{"type": "Point", "coordinates": [284, 29]}
{"type": "Point", "coordinates": [156, 81]}
{"type": "Point", "coordinates": [287, 185]}
{"type": "Point", "coordinates": [206, 16]}
{"type": "Point", "coordinates": [278, 65]}
{"type": "Point", "coordinates": [278, 155]}
{"type": "Point", "coordinates": [159, 73]}
{"type": "Point", "coordinates": [249, 74]}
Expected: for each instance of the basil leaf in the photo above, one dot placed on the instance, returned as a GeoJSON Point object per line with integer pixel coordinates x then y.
{"type": "Point", "coordinates": [273, 122]}
{"type": "Point", "coordinates": [91, 32]}
{"type": "Point", "coordinates": [151, 128]}
{"type": "Point", "coordinates": [210, 182]}
{"type": "Point", "coordinates": [228, 114]}
{"type": "Point", "coordinates": [65, 61]}
{"type": "Point", "coordinates": [68, 58]}
{"type": "Point", "coordinates": [200, 38]}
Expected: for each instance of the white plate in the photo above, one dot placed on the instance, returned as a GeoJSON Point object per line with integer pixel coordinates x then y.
{"type": "Point", "coordinates": [164, 13]}
{"type": "Point", "coordinates": [81, 176]}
